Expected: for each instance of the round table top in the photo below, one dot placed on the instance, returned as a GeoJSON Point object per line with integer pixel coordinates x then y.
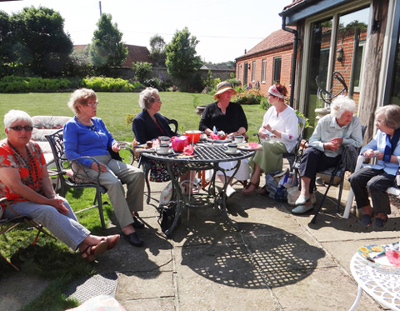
{"type": "Point", "coordinates": [203, 153]}
{"type": "Point", "coordinates": [383, 287]}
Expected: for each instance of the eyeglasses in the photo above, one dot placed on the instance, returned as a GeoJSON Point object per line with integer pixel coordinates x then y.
{"type": "Point", "coordinates": [19, 128]}
{"type": "Point", "coordinates": [92, 104]}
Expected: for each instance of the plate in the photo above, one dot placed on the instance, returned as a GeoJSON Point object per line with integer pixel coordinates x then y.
{"type": "Point", "coordinates": [232, 153]}
{"type": "Point", "coordinates": [380, 263]}
{"type": "Point", "coordinates": [150, 150]}
{"type": "Point", "coordinates": [246, 146]}
{"type": "Point", "coordinates": [165, 153]}
{"type": "Point", "coordinates": [219, 141]}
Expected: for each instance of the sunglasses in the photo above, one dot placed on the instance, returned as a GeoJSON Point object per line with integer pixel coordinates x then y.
{"type": "Point", "coordinates": [19, 128]}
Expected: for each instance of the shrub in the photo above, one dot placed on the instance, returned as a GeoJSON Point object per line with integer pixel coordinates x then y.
{"type": "Point", "coordinates": [104, 84]}
{"type": "Point", "coordinates": [142, 70]}
{"type": "Point", "coordinates": [13, 84]}
{"type": "Point", "coordinates": [251, 97]}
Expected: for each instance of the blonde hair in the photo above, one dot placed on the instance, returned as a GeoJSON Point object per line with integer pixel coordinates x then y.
{"type": "Point", "coordinates": [80, 97]}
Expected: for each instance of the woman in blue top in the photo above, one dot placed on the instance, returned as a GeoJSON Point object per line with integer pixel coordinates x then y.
{"type": "Point", "coordinates": [86, 135]}
{"type": "Point", "coordinates": [376, 179]}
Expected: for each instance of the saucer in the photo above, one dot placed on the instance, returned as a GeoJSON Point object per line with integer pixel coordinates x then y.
{"type": "Point", "coordinates": [164, 153]}
{"type": "Point", "coordinates": [232, 153]}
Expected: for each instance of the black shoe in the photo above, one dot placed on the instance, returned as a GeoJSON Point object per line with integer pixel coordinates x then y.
{"type": "Point", "coordinates": [133, 239]}
{"type": "Point", "coordinates": [137, 223]}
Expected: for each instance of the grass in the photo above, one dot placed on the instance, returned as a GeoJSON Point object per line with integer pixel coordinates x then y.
{"type": "Point", "coordinates": [64, 266]}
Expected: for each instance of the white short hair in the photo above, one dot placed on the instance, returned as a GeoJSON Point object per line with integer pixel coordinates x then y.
{"type": "Point", "coordinates": [16, 115]}
{"type": "Point", "coordinates": [341, 104]}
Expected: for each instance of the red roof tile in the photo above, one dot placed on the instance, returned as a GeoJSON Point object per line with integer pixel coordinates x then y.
{"type": "Point", "coordinates": [293, 4]}
{"type": "Point", "coordinates": [277, 39]}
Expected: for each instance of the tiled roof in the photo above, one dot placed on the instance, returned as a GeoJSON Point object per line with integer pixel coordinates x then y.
{"type": "Point", "coordinates": [275, 40]}
{"type": "Point", "coordinates": [293, 4]}
{"type": "Point", "coordinates": [135, 54]}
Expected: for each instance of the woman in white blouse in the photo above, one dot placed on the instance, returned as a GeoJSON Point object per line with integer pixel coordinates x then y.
{"type": "Point", "coordinates": [279, 132]}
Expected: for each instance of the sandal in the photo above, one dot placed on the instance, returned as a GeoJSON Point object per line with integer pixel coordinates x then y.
{"type": "Point", "coordinates": [262, 191]}
{"type": "Point", "coordinates": [381, 222]}
{"type": "Point", "coordinates": [90, 252]}
{"type": "Point", "coordinates": [111, 240]}
{"type": "Point", "coordinates": [250, 188]}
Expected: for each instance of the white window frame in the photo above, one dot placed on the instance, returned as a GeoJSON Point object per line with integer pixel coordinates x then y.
{"type": "Point", "coordinates": [263, 70]}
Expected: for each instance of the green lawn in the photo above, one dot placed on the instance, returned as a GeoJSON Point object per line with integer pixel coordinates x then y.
{"type": "Point", "coordinates": [115, 107]}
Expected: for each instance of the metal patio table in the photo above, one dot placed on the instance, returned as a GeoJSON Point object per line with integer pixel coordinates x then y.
{"type": "Point", "coordinates": [207, 157]}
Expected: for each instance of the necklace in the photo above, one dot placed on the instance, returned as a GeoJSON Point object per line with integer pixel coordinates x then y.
{"type": "Point", "coordinates": [90, 123]}
{"type": "Point", "coordinates": [33, 175]}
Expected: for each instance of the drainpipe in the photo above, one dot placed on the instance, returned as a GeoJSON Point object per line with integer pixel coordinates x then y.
{"type": "Point", "coordinates": [294, 57]}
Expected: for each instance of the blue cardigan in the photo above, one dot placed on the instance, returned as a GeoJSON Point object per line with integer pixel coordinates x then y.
{"type": "Point", "coordinates": [146, 129]}
{"type": "Point", "coordinates": [81, 140]}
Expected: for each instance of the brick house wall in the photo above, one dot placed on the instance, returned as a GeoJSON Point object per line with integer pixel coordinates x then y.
{"type": "Point", "coordinates": [278, 45]}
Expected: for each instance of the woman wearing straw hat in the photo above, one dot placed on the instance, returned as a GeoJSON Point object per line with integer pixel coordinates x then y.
{"type": "Point", "coordinates": [279, 121]}
{"type": "Point", "coordinates": [229, 117]}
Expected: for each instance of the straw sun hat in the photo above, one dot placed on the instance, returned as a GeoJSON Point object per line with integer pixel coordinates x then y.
{"type": "Point", "coordinates": [222, 87]}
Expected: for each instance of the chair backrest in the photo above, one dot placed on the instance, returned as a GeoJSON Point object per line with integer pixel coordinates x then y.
{"type": "Point", "coordinates": [57, 147]}
{"type": "Point", "coordinates": [175, 124]}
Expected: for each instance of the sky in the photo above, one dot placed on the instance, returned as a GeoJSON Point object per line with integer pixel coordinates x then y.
{"type": "Point", "coordinates": [224, 28]}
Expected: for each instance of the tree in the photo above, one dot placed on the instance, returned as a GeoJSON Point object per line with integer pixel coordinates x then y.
{"type": "Point", "coordinates": [5, 43]}
{"type": "Point", "coordinates": [157, 52]}
{"type": "Point", "coordinates": [106, 49]}
{"type": "Point", "coordinates": [40, 43]}
{"type": "Point", "coordinates": [182, 61]}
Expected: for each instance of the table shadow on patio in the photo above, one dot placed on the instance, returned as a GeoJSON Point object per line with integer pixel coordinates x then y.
{"type": "Point", "coordinates": [264, 257]}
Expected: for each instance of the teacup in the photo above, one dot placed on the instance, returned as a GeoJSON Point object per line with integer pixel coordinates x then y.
{"type": "Point", "coordinates": [164, 139]}
{"type": "Point", "coordinates": [164, 148]}
{"type": "Point", "coordinates": [239, 139]}
{"type": "Point", "coordinates": [232, 148]}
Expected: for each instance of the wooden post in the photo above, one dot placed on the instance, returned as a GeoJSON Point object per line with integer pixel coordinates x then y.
{"type": "Point", "coordinates": [373, 62]}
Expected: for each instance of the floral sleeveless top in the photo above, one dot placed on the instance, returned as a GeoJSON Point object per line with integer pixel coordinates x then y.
{"type": "Point", "coordinates": [31, 170]}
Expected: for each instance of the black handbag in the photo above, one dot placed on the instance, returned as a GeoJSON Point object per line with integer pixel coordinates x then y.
{"type": "Point", "coordinates": [114, 155]}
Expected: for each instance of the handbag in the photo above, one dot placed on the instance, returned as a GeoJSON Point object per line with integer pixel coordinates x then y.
{"type": "Point", "coordinates": [114, 155]}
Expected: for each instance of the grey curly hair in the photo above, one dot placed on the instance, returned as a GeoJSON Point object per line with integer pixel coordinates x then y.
{"type": "Point", "coordinates": [146, 97]}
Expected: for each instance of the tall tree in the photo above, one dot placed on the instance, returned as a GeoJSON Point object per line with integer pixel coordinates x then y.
{"type": "Point", "coordinates": [182, 61]}
{"type": "Point", "coordinates": [40, 43]}
{"type": "Point", "coordinates": [5, 43]}
{"type": "Point", "coordinates": [157, 52]}
{"type": "Point", "coordinates": [106, 49]}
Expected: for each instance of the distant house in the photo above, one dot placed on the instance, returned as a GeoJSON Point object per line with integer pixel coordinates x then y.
{"type": "Point", "coordinates": [268, 62]}
{"type": "Point", "coordinates": [135, 54]}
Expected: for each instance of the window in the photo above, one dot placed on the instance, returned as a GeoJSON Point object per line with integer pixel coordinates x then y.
{"type": "Point", "coordinates": [358, 56]}
{"type": "Point", "coordinates": [263, 70]}
{"type": "Point", "coordinates": [239, 71]}
{"type": "Point", "coordinates": [253, 72]}
{"type": "Point", "coordinates": [277, 70]}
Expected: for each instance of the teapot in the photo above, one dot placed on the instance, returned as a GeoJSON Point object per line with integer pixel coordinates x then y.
{"type": "Point", "coordinates": [179, 142]}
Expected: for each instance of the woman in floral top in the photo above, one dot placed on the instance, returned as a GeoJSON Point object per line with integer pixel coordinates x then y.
{"type": "Point", "coordinates": [26, 184]}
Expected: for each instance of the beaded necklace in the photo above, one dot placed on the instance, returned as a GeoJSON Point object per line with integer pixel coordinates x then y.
{"type": "Point", "coordinates": [34, 180]}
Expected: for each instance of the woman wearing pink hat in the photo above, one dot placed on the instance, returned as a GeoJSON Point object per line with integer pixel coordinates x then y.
{"type": "Point", "coordinates": [281, 124]}
{"type": "Point", "coordinates": [229, 117]}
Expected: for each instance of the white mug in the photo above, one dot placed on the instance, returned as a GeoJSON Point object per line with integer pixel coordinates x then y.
{"type": "Point", "coordinates": [239, 139]}
{"type": "Point", "coordinates": [232, 148]}
{"type": "Point", "coordinates": [164, 148]}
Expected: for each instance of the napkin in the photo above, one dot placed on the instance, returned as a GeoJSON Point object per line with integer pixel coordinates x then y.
{"type": "Point", "coordinates": [393, 256]}
{"type": "Point", "coordinates": [214, 136]}
{"type": "Point", "coordinates": [188, 150]}
{"type": "Point", "coordinates": [253, 145]}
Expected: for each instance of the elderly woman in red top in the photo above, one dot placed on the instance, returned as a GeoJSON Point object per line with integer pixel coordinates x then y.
{"type": "Point", "coordinates": [25, 182]}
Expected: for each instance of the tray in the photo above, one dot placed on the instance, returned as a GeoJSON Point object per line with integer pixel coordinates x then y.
{"type": "Point", "coordinates": [219, 141]}
{"type": "Point", "coordinates": [380, 263]}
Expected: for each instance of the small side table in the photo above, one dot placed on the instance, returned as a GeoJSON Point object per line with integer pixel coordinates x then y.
{"type": "Point", "coordinates": [383, 287]}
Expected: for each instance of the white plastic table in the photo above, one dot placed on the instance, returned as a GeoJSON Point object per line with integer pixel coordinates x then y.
{"type": "Point", "coordinates": [383, 287]}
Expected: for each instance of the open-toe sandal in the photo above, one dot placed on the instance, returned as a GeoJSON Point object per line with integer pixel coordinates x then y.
{"type": "Point", "coordinates": [90, 252]}
{"type": "Point", "coordinates": [250, 188]}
